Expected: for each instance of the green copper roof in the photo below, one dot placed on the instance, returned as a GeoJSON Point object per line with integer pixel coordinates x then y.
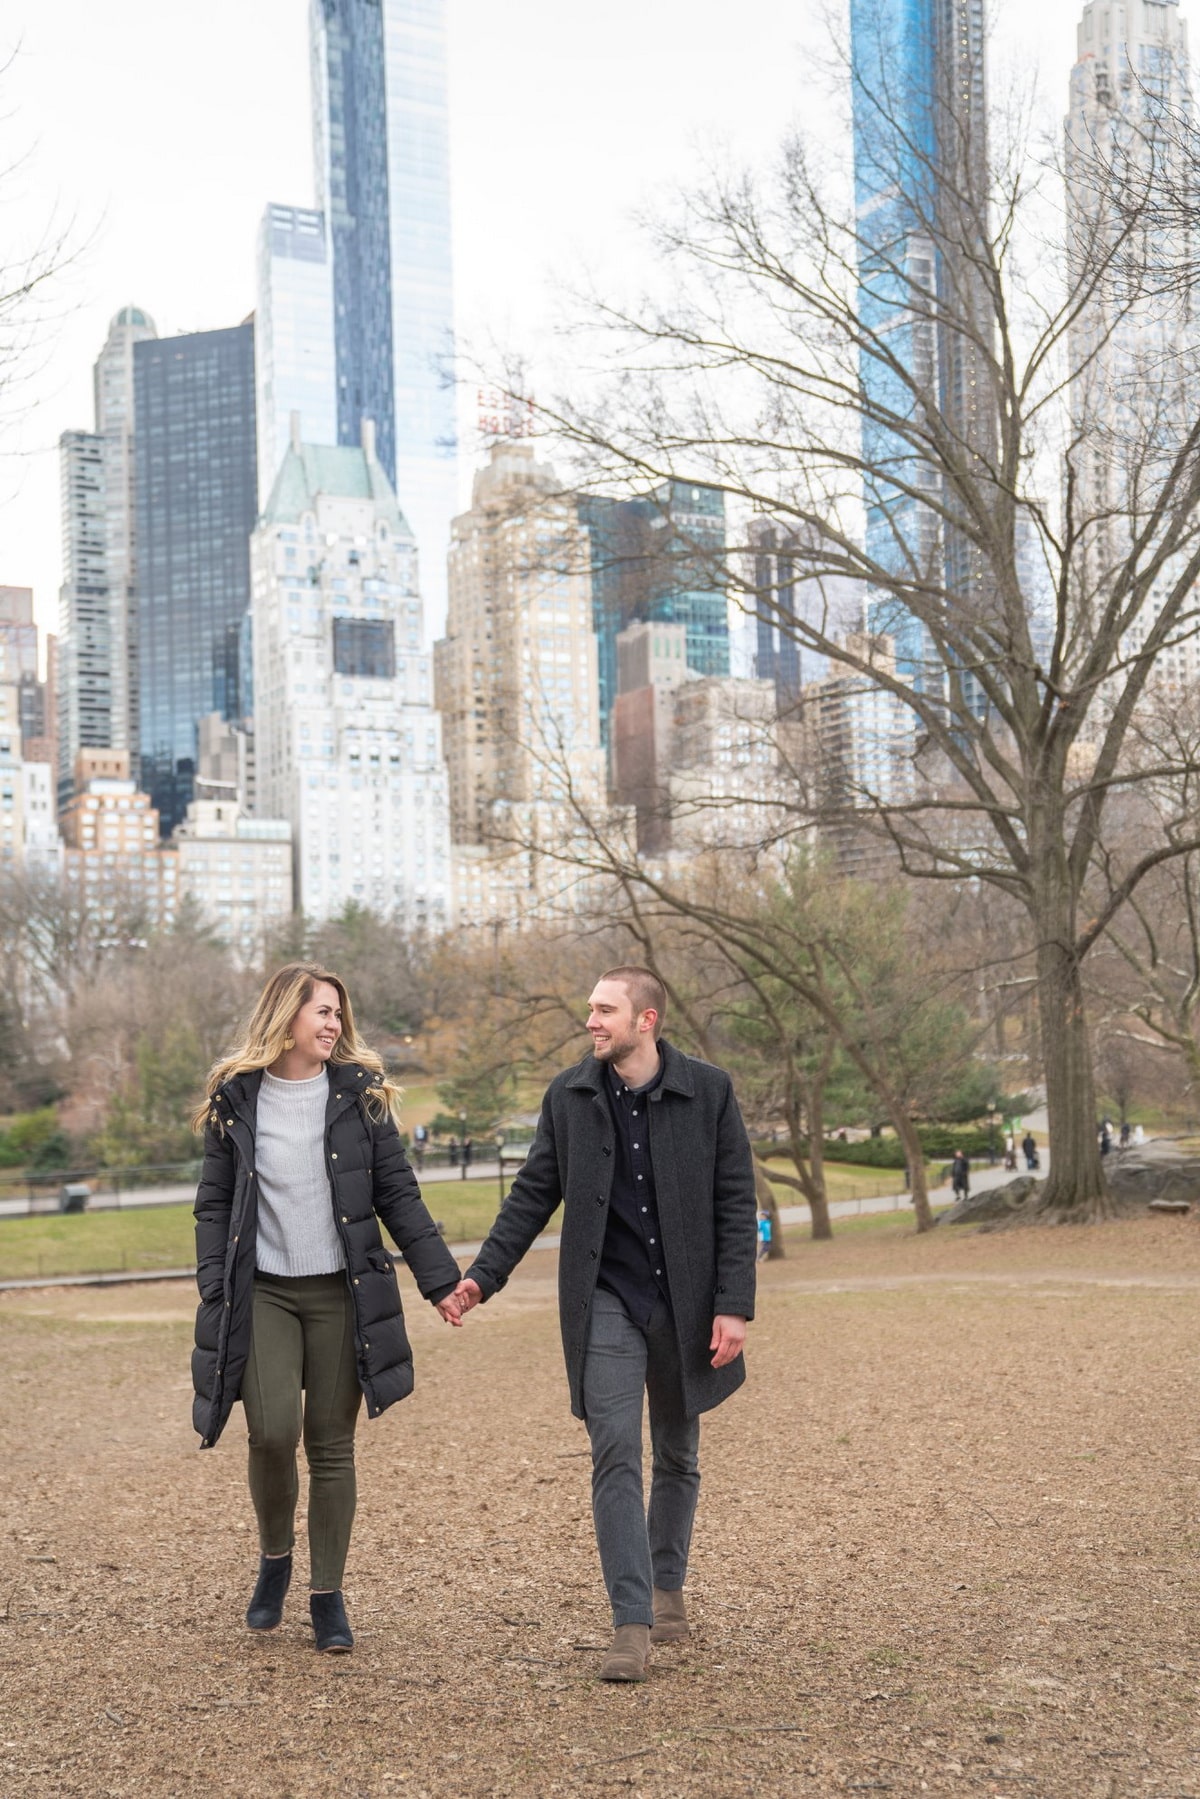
{"type": "Point", "coordinates": [310, 470]}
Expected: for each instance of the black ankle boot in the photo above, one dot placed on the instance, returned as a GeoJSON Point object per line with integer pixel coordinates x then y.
{"type": "Point", "coordinates": [330, 1624]}
{"type": "Point", "coordinates": [274, 1577]}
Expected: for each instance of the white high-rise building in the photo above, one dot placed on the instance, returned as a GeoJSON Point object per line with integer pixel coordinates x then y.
{"type": "Point", "coordinates": [348, 746]}
{"type": "Point", "coordinates": [1135, 353]}
{"type": "Point", "coordinates": [113, 379]}
{"type": "Point", "coordinates": [1135, 346]}
{"type": "Point", "coordinates": [294, 366]}
{"type": "Point", "coordinates": [97, 697]}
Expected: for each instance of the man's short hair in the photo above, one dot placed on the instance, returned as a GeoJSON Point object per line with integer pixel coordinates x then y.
{"type": "Point", "coordinates": [645, 990]}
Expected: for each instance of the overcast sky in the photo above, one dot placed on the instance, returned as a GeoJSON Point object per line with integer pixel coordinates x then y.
{"type": "Point", "coordinates": [158, 132]}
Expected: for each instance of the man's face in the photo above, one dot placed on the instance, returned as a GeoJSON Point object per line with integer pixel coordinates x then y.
{"type": "Point", "coordinates": [612, 1022]}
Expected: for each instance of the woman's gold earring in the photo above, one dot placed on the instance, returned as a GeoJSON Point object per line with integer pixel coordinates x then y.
{"type": "Point", "coordinates": [289, 1043]}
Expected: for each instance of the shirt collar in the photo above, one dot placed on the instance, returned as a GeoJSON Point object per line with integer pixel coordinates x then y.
{"type": "Point", "coordinates": [619, 1086]}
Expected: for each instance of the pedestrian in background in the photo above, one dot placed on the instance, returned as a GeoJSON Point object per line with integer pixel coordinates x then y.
{"type": "Point", "coordinates": [960, 1175]}
{"type": "Point", "coordinates": [299, 1313]}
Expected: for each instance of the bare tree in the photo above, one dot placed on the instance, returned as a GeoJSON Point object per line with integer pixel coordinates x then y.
{"type": "Point", "coordinates": [963, 362]}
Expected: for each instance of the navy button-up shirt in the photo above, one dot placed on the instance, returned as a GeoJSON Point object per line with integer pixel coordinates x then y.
{"type": "Point", "coordinates": [632, 1264]}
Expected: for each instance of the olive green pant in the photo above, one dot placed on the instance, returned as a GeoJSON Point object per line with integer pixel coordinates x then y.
{"type": "Point", "coordinates": [303, 1344]}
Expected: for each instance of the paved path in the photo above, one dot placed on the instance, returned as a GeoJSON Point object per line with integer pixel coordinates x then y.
{"type": "Point", "coordinates": [839, 1208]}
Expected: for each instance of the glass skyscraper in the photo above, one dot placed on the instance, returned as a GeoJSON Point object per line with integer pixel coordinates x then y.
{"type": "Point", "coordinates": [658, 559]}
{"type": "Point", "coordinates": [381, 152]}
{"type": "Point", "coordinates": [195, 505]}
{"type": "Point", "coordinates": [920, 162]}
{"type": "Point", "coordinates": [294, 363]}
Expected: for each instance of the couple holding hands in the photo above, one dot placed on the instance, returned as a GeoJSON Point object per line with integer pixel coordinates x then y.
{"type": "Point", "coordinates": [300, 1314]}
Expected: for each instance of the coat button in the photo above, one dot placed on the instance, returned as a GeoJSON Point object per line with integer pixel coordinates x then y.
{"type": "Point", "coordinates": [592, 1253]}
{"type": "Point", "coordinates": [229, 1121]}
{"type": "Point", "coordinates": [335, 1155]}
{"type": "Point", "coordinates": [356, 1280]}
{"type": "Point", "coordinates": [235, 1239]}
{"type": "Point", "coordinates": [345, 1220]}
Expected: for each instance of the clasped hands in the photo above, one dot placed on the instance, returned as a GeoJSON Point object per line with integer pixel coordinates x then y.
{"type": "Point", "coordinates": [728, 1332]}
{"type": "Point", "coordinates": [456, 1305]}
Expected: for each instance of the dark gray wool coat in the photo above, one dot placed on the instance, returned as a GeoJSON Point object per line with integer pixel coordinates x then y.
{"type": "Point", "coordinates": [369, 1179]}
{"type": "Point", "coordinates": [704, 1180]}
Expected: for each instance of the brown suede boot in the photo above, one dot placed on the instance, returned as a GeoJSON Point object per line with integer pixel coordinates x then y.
{"type": "Point", "coordinates": [630, 1653]}
{"type": "Point", "coordinates": [670, 1618]}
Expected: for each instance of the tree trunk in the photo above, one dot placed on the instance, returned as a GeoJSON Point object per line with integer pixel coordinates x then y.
{"type": "Point", "coordinates": [914, 1155]}
{"type": "Point", "coordinates": [816, 1147]}
{"type": "Point", "coordinates": [765, 1194]}
{"type": "Point", "coordinates": [1074, 1189]}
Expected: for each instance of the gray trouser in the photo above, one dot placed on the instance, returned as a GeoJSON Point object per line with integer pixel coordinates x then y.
{"type": "Point", "coordinates": [639, 1550]}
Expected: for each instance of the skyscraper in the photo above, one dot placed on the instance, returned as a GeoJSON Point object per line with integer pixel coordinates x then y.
{"type": "Point", "coordinates": [294, 366]}
{"type": "Point", "coordinates": [348, 746]}
{"type": "Point", "coordinates": [113, 379]}
{"type": "Point", "coordinates": [88, 717]}
{"type": "Point", "coordinates": [658, 559]}
{"type": "Point", "coordinates": [515, 675]}
{"type": "Point", "coordinates": [381, 154]}
{"type": "Point", "coordinates": [920, 164]}
{"type": "Point", "coordinates": [97, 654]}
{"type": "Point", "coordinates": [1133, 344]}
{"type": "Point", "coordinates": [196, 504]}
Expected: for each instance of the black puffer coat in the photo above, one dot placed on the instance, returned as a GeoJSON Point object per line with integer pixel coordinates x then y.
{"type": "Point", "coordinates": [369, 1179]}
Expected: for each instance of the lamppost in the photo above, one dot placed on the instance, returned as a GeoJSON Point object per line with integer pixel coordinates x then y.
{"type": "Point", "coordinates": [992, 1132]}
{"type": "Point", "coordinates": [500, 1163]}
{"type": "Point", "coordinates": [462, 1153]}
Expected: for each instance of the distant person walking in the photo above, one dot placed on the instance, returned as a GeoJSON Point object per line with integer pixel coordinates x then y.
{"type": "Point", "coordinates": [420, 1143]}
{"type": "Point", "coordinates": [299, 1313]}
{"type": "Point", "coordinates": [1029, 1146]}
{"type": "Point", "coordinates": [764, 1236]}
{"type": "Point", "coordinates": [468, 1150]}
{"type": "Point", "coordinates": [454, 1152]}
{"type": "Point", "coordinates": [960, 1175]}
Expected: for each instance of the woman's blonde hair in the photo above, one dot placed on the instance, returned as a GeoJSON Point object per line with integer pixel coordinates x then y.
{"type": "Point", "coordinates": [266, 1035]}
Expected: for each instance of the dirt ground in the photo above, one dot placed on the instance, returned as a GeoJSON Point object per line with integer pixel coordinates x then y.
{"type": "Point", "coordinates": [947, 1543]}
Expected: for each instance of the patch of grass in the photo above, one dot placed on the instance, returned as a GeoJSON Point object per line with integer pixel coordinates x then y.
{"type": "Point", "coordinates": [467, 1208]}
{"type": "Point", "coordinates": [152, 1237]}
{"type": "Point", "coordinates": [97, 1242]}
{"type": "Point", "coordinates": [845, 1180]}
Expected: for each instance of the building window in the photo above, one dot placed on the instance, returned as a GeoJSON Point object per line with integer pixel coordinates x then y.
{"type": "Point", "coordinates": [365, 648]}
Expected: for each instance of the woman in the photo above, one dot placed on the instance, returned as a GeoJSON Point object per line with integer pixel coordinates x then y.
{"type": "Point", "coordinates": [302, 1158]}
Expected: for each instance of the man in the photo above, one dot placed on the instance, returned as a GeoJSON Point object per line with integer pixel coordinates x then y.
{"type": "Point", "coordinates": [647, 1150]}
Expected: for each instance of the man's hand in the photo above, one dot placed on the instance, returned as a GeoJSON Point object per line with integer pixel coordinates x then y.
{"type": "Point", "coordinates": [728, 1339]}
{"type": "Point", "coordinates": [467, 1294]}
{"type": "Point", "coordinates": [448, 1309]}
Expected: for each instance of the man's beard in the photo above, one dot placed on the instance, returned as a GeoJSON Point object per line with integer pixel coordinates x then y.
{"type": "Point", "coordinates": [614, 1049]}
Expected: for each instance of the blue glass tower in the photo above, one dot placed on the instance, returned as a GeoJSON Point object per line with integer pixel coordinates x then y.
{"type": "Point", "coordinates": [658, 559]}
{"type": "Point", "coordinates": [381, 139]}
{"type": "Point", "coordinates": [919, 147]}
{"type": "Point", "coordinates": [196, 500]}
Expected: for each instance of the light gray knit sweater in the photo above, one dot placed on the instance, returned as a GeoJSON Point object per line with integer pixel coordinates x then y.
{"type": "Point", "coordinates": [296, 1232]}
